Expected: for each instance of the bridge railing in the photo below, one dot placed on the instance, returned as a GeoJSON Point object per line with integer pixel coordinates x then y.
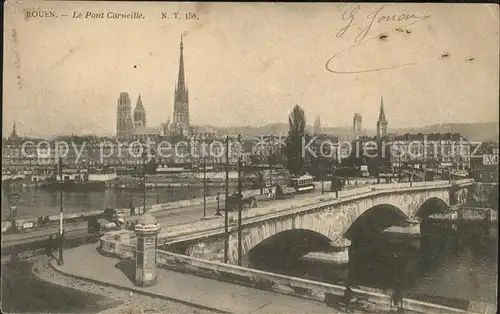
{"type": "Point", "coordinates": [288, 206]}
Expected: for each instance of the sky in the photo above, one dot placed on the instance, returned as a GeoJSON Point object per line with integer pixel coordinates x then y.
{"type": "Point", "coordinates": [249, 64]}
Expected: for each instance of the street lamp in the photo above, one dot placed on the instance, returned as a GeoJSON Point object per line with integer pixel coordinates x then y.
{"type": "Point", "coordinates": [240, 200]}
{"type": "Point", "coordinates": [204, 186]}
{"type": "Point", "coordinates": [217, 213]}
{"type": "Point", "coordinates": [131, 203]}
{"type": "Point", "coordinates": [144, 156]}
{"type": "Point", "coordinates": [226, 229]}
{"type": "Point", "coordinates": [61, 228]}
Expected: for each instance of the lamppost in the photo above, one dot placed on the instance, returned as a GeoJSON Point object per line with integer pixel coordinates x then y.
{"type": "Point", "coordinates": [61, 228]}
{"type": "Point", "coordinates": [131, 203]}
{"type": "Point", "coordinates": [322, 174]}
{"type": "Point", "coordinates": [144, 156]}
{"type": "Point", "coordinates": [217, 212]}
{"type": "Point", "coordinates": [240, 200]}
{"type": "Point", "coordinates": [204, 186]}
{"type": "Point", "coordinates": [226, 231]}
{"type": "Point", "coordinates": [271, 170]}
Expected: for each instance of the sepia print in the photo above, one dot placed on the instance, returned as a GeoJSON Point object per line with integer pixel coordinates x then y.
{"type": "Point", "coordinates": [249, 157]}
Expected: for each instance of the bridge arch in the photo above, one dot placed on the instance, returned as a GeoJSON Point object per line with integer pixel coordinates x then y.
{"type": "Point", "coordinates": [290, 244]}
{"type": "Point", "coordinates": [432, 206]}
{"type": "Point", "coordinates": [374, 220]}
{"type": "Point", "coordinates": [256, 235]}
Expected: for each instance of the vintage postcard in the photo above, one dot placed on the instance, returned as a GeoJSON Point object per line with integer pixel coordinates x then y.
{"type": "Point", "coordinates": [164, 157]}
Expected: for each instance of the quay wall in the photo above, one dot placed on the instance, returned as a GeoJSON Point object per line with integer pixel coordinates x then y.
{"type": "Point", "coordinates": [288, 285]}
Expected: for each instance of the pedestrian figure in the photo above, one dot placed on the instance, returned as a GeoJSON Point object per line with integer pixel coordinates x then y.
{"type": "Point", "coordinates": [48, 249]}
{"type": "Point", "coordinates": [348, 298]}
{"type": "Point", "coordinates": [397, 300]}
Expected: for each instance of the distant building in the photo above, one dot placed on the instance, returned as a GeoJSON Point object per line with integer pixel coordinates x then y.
{"type": "Point", "coordinates": [486, 173]}
{"type": "Point", "coordinates": [133, 126]}
{"type": "Point", "coordinates": [13, 135]}
{"type": "Point", "coordinates": [317, 126]}
{"type": "Point", "coordinates": [382, 121]}
{"type": "Point", "coordinates": [438, 151]}
{"type": "Point", "coordinates": [139, 115]}
{"type": "Point", "coordinates": [124, 124]}
{"type": "Point", "coordinates": [356, 124]}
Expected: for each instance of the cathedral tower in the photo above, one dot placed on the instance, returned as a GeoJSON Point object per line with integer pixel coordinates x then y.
{"type": "Point", "coordinates": [124, 124]}
{"type": "Point", "coordinates": [139, 114]}
{"type": "Point", "coordinates": [356, 124]}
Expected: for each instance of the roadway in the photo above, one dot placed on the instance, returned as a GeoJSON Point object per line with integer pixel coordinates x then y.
{"type": "Point", "coordinates": [166, 218]}
{"type": "Point", "coordinates": [189, 214]}
{"type": "Point", "coordinates": [42, 234]}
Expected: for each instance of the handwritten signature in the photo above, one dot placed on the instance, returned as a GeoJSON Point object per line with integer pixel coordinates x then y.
{"type": "Point", "coordinates": [375, 17]}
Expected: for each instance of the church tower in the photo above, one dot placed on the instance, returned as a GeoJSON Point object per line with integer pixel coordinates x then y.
{"type": "Point", "coordinates": [139, 115]}
{"type": "Point", "coordinates": [317, 126]}
{"type": "Point", "coordinates": [356, 124]}
{"type": "Point", "coordinates": [13, 135]}
{"type": "Point", "coordinates": [382, 121]}
{"type": "Point", "coordinates": [124, 124]}
{"type": "Point", "coordinates": [181, 100]}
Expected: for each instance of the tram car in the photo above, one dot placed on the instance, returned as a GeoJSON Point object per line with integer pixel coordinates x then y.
{"type": "Point", "coordinates": [302, 184]}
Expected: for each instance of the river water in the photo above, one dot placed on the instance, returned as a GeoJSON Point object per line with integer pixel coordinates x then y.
{"type": "Point", "coordinates": [36, 202]}
{"type": "Point", "coordinates": [449, 268]}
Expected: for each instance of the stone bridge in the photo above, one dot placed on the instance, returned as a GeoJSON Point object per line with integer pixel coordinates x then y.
{"type": "Point", "coordinates": [329, 216]}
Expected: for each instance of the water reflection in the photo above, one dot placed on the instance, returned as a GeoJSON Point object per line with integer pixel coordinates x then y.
{"type": "Point", "coordinates": [451, 265]}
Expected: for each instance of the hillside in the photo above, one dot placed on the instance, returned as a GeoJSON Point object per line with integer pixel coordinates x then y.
{"type": "Point", "coordinates": [471, 131]}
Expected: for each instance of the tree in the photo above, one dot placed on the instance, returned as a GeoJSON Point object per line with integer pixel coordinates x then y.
{"type": "Point", "coordinates": [296, 133]}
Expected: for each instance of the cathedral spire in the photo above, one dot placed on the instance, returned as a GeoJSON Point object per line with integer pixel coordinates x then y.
{"type": "Point", "coordinates": [180, 80]}
{"type": "Point", "coordinates": [13, 135]}
{"type": "Point", "coordinates": [382, 121]}
{"type": "Point", "coordinates": [181, 98]}
{"type": "Point", "coordinates": [381, 115]}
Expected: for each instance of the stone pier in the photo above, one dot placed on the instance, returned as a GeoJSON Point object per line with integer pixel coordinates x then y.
{"type": "Point", "coordinates": [337, 254]}
{"type": "Point", "coordinates": [411, 227]}
{"type": "Point", "coordinates": [408, 232]}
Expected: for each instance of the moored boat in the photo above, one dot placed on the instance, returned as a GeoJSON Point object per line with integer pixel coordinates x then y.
{"type": "Point", "coordinates": [75, 186]}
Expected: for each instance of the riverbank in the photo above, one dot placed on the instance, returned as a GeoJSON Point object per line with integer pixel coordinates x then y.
{"type": "Point", "coordinates": [87, 297]}
{"type": "Point", "coordinates": [24, 292]}
{"type": "Point", "coordinates": [221, 294]}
